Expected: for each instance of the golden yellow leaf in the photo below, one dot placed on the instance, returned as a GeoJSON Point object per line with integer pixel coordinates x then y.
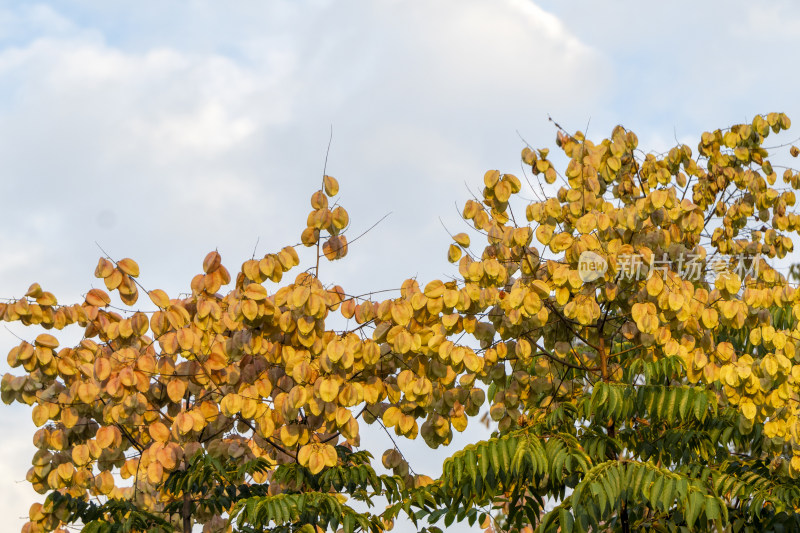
{"type": "Point", "coordinates": [502, 191]}
{"type": "Point", "coordinates": [472, 362]}
{"type": "Point", "coordinates": [561, 242]}
{"type": "Point", "coordinates": [310, 236]}
{"type": "Point", "coordinates": [453, 253]}
{"type": "Point", "coordinates": [104, 482]}
{"type": "Point", "coordinates": [733, 283]}
{"type": "Point", "coordinates": [675, 301]}
{"type": "Point", "coordinates": [159, 298]}
{"type": "Point", "coordinates": [319, 201]}
{"type": "Point", "coordinates": [491, 178]}
{"type": "Point", "coordinates": [339, 218]}
{"type": "Point", "coordinates": [544, 233]}
{"type": "Point", "coordinates": [250, 309]}
{"type": "Point", "coordinates": [65, 471]}
{"type": "Point", "coordinates": [335, 350]}
{"type": "Point", "coordinates": [462, 239]}
{"type": "Point", "coordinates": [230, 404]}
{"type": "Point", "coordinates": [328, 389]}
{"type": "Point", "coordinates": [255, 291]}
{"type": "Point", "coordinates": [658, 198]}
{"type": "Point", "coordinates": [330, 185]}
{"type": "Point", "coordinates": [342, 416]}
{"type": "Point", "coordinates": [586, 224]}
{"type": "Point", "coordinates": [710, 318]}
{"type": "Point", "coordinates": [186, 338]}
{"type": "Point", "coordinates": [87, 392]}
{"type": "Point", "coordinates": [748, 410]}
{"type": "Point", "coordinates": [298, 397]}
{"type": "Point", "coordinates": [401, 312]}
{"type": "Point", "coordinates": [329, 455]}
{"type": "Point", "coordinates": [40, 415]}
{"type": "Point", "coordinates": [114, 280]}
{"type": "Point", "coordinates": [46, 298]}
{"type": "Point", "coordinates": [654, 286]}
{"type": "Point", "coordinates": [434, 289]}
{"type": "Point", "coordinates": [47, 341]}
{"type": "Point", "coordinates": [290, 434]}
{"type": "Point", "coordinates": [638, 311]}
{"type": "Point", "coordinates": [391, 416]}
{"type": "Point", "coordinates": [304, 454]}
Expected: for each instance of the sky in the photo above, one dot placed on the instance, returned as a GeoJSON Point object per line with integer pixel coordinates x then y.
{"type": "Point", "coordinates": [164, 130]}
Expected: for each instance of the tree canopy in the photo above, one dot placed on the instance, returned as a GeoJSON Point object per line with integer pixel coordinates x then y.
{"type": "Point", "coordinates": [622, 320]}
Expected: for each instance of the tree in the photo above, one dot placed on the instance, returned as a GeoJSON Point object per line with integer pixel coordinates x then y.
{"type": "Point", "coordinates": [624, 392]}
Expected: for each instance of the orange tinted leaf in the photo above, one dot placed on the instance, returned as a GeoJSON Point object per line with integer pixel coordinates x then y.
{"type": "Point", "coordinates": [186, 338]}
{"type": "Point", "coordinates": [316, 462]}
{"type": "Point", "coordinates": [211, 262]}
{"type": "Point", "coordinates": [167, 457]}
{"type": "Point", "coordinates": [159, 432]}
{"type": "Point", "coordinates": [310, 236]}
{"type": "Point", "coordinates": [47, 341]}
{"type": "Point", "coordinates": [80, 455]}
{"type": "Point", "coordinates": [105, 437]}
{"type": "Point", "coordinates": [34, 291]}
{"type": "Point", "coordinates": [104, 482]}
{"type": "Point", "coordinates": [129, 298]}
{"type": "Point", "coordinates": [176, 389]}
{"type": "Point", "coordinates": [319, 201]}
{"type": "Point", "coordinates": [184, 422]}
{"type": "Point", "coordinates": [104, 268]}
{"type": "Point", "coordinates": [155, 472]}
{"type": "Point", "coordinates": [159, 298]}
{"type": "Point", "coordinates": [98, 298]}
{"type": "Point", "coordinates": [348, 308]}
{"type": "Point", "coordinates": [102, 368]}
{"type": "Point", "coordinates": [129, 267]}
